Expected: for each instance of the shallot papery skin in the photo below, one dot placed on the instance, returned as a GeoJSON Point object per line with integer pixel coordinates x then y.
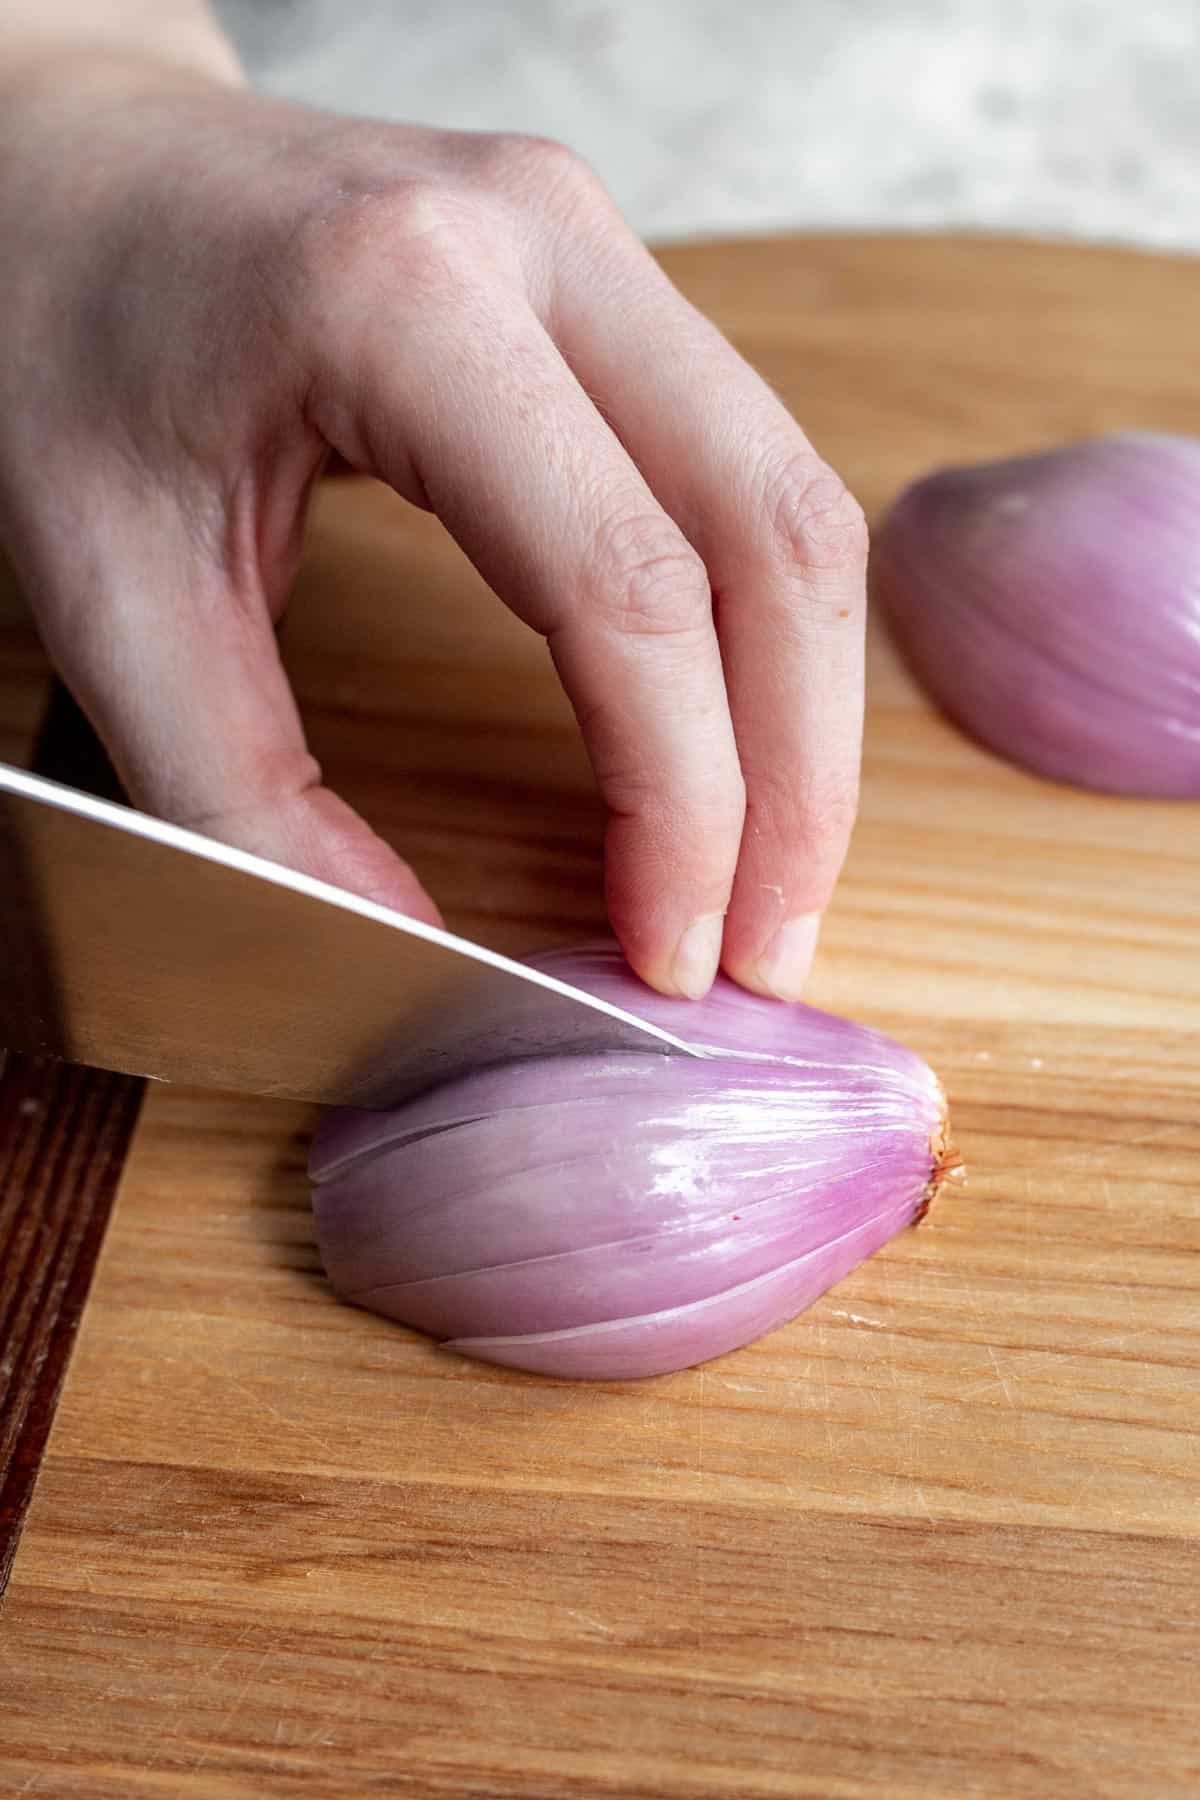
{"type": "Point", "coordinates": [1051, 605]}
{"type": "Point", "coordinates": [621, 1215]}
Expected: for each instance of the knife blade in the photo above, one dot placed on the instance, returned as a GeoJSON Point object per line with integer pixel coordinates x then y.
{"type": "Point", "coordinates": [138, 946]}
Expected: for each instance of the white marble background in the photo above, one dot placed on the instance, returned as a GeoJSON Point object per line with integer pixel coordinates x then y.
{"type": "Point", "coordinates": [1076, 117]}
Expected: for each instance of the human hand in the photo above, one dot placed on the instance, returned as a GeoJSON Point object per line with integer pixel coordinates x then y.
{"type": "Point", "coordinates": [206, 292]}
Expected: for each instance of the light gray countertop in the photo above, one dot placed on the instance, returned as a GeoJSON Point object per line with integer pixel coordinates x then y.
{"type": "Point", "coordinates": [1077, 117]}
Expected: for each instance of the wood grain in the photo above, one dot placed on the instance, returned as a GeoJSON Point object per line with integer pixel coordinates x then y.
{"type": "Point", "coordinates": [63, 1136]}
{"type": "Point", "coordinates": [64, 1133]}
{"type": "Point", "coordinates": [938, 1537]}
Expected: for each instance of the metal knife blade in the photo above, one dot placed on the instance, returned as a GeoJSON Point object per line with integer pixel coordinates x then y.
{"type": "Point", "coordinates": [137, 946]}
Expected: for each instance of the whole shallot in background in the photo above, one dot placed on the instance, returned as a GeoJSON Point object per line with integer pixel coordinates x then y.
{"type": "Point", "coordinates": [1051, 605]}
{"type": "Point", "coordinates": [624, 1215]}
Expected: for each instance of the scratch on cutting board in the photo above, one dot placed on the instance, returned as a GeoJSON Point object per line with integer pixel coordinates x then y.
{"type": "Point", "coordinates": [1089, 1154]}
{"type": "Point", "coordinates": [919, 1491]}
{"type": "Point", "coordinates": [1037, 1362]}
{"type": "Point", "coordinates": [1000, 1375]}
{"type": "Point", "coordinates": [228, 1717]}
{"type": "Point", "coordinates": [345, 1710]}
{"type": "Point", "coordinates": [1001, 1379]}
{"type": "Point", "coordinates": [162, 1745]}
{"type": "Point", "coordinates": [257, 1400]}
{"type": "Point", "coordinates": [587, 1619]}
{"type": "Point", "coordinates": [243, 1637]}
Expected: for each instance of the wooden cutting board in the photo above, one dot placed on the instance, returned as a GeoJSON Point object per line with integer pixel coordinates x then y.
{"type": "Point", "coordinates": [938, 1537]}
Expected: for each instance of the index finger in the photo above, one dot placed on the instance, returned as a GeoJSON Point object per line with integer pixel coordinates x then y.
{"type": "Point", "coordinates": [478, 405]}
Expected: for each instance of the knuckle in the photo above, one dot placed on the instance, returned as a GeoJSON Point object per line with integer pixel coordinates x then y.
{"type": "Point", "coordinates": [718, 814]}
{"type": "Point", "coordinates": [675, 819]}
{"type": "Point", "coordinates": [415, 222]}
{"type": "Point", "coordinates": [648, 581]}
{"type": "Point", "coordinates": [815, 821]}
{"type": "Point", "coordinates": [830, 819]}
{"type": "Point", "coordinates": [815, 516]}
{"type": "Point", "coordinates": [526, 164]}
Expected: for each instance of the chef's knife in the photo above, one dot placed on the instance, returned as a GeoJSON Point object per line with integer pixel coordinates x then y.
{"type": "Point", "coordinates": [137, 946]}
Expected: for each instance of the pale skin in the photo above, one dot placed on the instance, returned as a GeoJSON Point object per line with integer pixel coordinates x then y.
{"type": "Point", "coordinates": [205, 294]}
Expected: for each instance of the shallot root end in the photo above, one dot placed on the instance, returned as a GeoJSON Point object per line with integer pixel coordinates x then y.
{"type": "Point", "coordinates": [948, 1165]}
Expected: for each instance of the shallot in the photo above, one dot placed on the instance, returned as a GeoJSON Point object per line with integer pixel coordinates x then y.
{"type": "Point", "coordinates": [619, 1215]}
{"type": "Point", "coordinates": [1051, 605]}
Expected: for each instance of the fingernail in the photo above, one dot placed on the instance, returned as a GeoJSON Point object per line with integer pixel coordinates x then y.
{"type": "Point", "coordinates": [697, 956]}
{"type": "Point", "coordinates": [783, 968]}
